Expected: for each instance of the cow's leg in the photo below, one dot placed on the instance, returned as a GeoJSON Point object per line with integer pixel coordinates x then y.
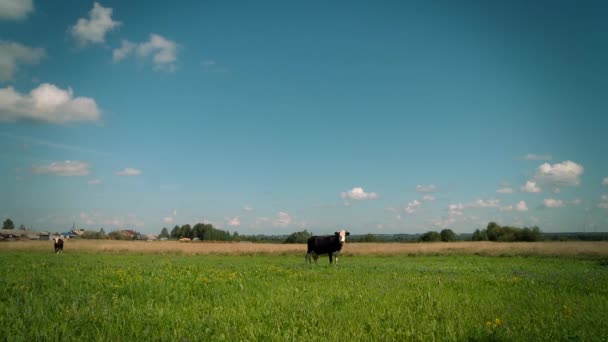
{"type": "Point", "coordinates": [331, 257]}
{"type": "Point", "coordinates": [307, 259]}
{"type": "Point", "coordinates": [315, 256]}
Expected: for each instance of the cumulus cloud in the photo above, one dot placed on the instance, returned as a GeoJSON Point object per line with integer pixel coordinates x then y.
{"type": "Point", "coordinates": [531, 156]}
{"type": "Point", "coordinates": [163, 51]}
{"type": "Point", "coordinates": [247, 207]}
{"type": "Point", "coordinates": [426, 188]}
{"type": "Point", "coordinates": [13, 55]}
{"type": "Point", "coordinates": [480, 203]}
{"type": "Point", "coordinates": [428, 198]}
{"type": "Point", "coordinates": [358, 193]}
{"type": "Point", "coordinates": [168, 219]}
{"type": "Point", "coordinates": [604, 203]}
{"type": "Point", "coordinates": [233, 222]}
{"type": "Point", "coordinates": [282, 219]}
{"type": "Point", "coordinates": [411, 207]}
{"type": "Point", "coordinates": [455, 209]}
{"type": "Point", "coordinates": [559, 174]}
{"type": "Point", "coordinates": [505, 190]}
{"type": "Point", "coordinates": [94, 29]}
{"type": "Point", "coordinates": [129, 172]}
{"type": "Point", "coordinates": [46, 103]}
{"type": "Point", "coordinates": [94, 181]}
{"type": "Point", "coordinates": [605, 181]}
{"type": "Point", "coordinates": [530, 186]}
{"type": "Point", "coordinates": [521, 206]}
{"type": "Point", "coordinates": [63, 168]}
{"type": "Point", "coordinates": [553, 203]}
{"type": "Point", "coordinates": [15, 9]}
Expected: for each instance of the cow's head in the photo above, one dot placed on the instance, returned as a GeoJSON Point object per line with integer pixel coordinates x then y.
{"type": "Point", "coordinates": [342, 234]}
{"type": "Point", "coordinates": [56, 240]}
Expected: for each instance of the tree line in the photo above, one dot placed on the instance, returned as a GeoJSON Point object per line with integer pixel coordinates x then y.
{"type": "Point", "coordinates": [495, 232]}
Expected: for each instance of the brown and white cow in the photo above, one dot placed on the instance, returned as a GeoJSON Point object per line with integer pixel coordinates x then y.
{"type": "Point", "coordinates": [58, 245]}
{"type": "Point", "coordinates": [329, 244]}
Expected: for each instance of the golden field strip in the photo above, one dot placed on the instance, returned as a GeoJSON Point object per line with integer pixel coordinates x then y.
{"type": "Point", "coordinates": [568, 248]}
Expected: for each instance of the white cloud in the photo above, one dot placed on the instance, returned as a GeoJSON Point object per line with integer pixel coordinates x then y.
{"type": "Point", "coordinates": [426, 188]}
{"type": "Point", "coordinates": [174, 212]}
{"type": "Point", "coordinates": [94, 29]}
{"type": "Point", "coordinates": [125, 49]}
{"type": "Point", "coordinates": [455, 209]}
{"type": "Point", "coordinates": [282, 219]}
{"type": "Point", "coordinates": [603, 205]}
{"type": "Point", "coordinates": [428, 198]}
{"type": "Point", "coordinates": [129, 172]}
{"type": "Point", "coordinates": [168, 219]}
{"type": "Point", "coordinates": [531, 156]}
{"type": "Point", "coordinates": [505, 190]}
{"type": "Point", "coordinates": [94, 181]}
{"type": "Point", "coordinates": [507, 208]}
{"type": "Point", "coordinates": [15, 9]}
{"type": "Point", "coordinates": [359, 194]}
{"type": "Point", "coordinates": [576, 201]}
{"type": "Point", "coordinates": [553, 203]}
{"type": "Point", "coordinates": [412, 207]}
{"type": "Point", "coordinates": [443, 222]}
{"type": "Point", "coordinates": [162, 50]}
{"type": "Point", "coordinates": [234, 222]}
{"type": "Point", "coordinates": [64, 168]}
{"type": "Point", "coordinates": [12, 55]}
{"type": "Point", "coordinates": [605, 181]}
{"type": "Point", "coordinates": [521, 206]}
{"type": "Point", "coordinates": [604, 197]}
{"type": "Point", "coordinates": [564, 173]}
{"type": "Point", "coordinates": [530, 187]}
{"type": "Point", "coordinates": [480, 203]}
{"type": "Point", "coordinates": [247, 207]}
{"type": "Point", "coordinates": [46, 103]}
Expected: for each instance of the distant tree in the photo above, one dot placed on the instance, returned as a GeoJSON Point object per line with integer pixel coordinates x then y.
{"type": "Point", "coordinates": [430, 236]}
{"type": "Point", "coordinates": [368, 238]}
{"type": "Point", "coordinates": [298, 237]}
{"type": "Point", "coordinates": [176, 232]}
{"type": "Point", "coordinates": [21, 227]}
{"type": "Point", "coordinates": [479, 235]}
{"type": "Point", "coordinates": [447, 235]}
{"type": "Point", "coordinates": [8, 224]}
{"type": "Point", "coordinates": [164, 233]}
{"type": "Point", "coordinates": [187, 231]}
{"type": "Point", "coordinates": [235, 236]}
{"type": "Point", "coordinates": [102, 232]}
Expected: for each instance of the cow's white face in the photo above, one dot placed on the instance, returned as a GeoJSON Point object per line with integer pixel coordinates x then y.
{"type": "Point", "coordinates": [56, 240]}
{"type": "Point", "coordinates": [342, 234]}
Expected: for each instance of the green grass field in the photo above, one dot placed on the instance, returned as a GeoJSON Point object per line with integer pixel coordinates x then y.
{"type": "Point", "coordinates": [127, 297]}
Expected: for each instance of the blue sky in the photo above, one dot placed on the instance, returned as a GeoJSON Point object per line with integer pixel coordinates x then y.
{"type": "Point", "coordinates": [277, 116]}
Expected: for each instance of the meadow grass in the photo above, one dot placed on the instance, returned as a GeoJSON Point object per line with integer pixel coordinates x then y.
{"type": "Point", "coordinates": [159, 297]}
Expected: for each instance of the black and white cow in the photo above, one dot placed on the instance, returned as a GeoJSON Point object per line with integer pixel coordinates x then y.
{"type": "Point", "coordinates": [330, 245]}
{"type": "Point", "coordinates": [58, 245]}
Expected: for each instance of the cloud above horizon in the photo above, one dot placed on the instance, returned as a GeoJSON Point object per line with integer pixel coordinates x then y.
{"type": "Point", "coordinates": [15, 9]}
{"type": "Point", "coordinates": [94, 29]}
{"type": "Point", "coordinates": [13, 55]}
{"type": "Point", "coordinates": [531, 187]}
{"type": "Point", "coordinates": [63, 168]}
{"type": "Point", "coordinates": [47, 103]}
{"type": "Point", "coordinates": [357, 193]}
{"type": "Point", "coordinates": [163, 52]}
{"type": "Point", "coordinates": [552, 203]}
{"type": "Point", "coordinates": [129, 172]}
{"type": "Point", "coordinates": [566, 173]}
{"type": "Point", "coordinates": [426, 188]}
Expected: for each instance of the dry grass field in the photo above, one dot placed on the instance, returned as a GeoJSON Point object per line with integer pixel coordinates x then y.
{"type": "Point", "coordinates": [570, 248]}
